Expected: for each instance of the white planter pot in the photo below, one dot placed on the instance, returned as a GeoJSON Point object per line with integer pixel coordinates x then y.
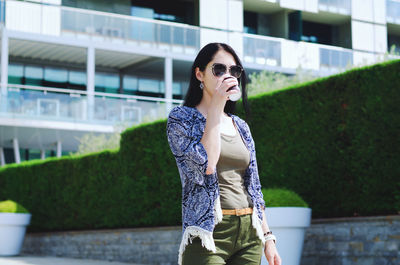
{"type": "Point", "coordinates": [288, 224]}
{"type": "Point", "coordinates": [12, 232]}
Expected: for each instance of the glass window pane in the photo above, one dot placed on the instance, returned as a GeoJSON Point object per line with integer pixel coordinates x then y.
{"type": "Point", "coordinates": [76, 77]}
{"type": "Point", "coordinates": [55, 74]}
{"type": "Point", "coordinates": [185, 87]}
{"type": "Point", "coordinates": [129, 83]}
{"type": "Point", "coordinates": [145, 12]}
{"type": "Point", "coordinates": [178, 35]}
{"type": "Point", "coordinates": [34, 72]}
{"type": "Point", "coordinates": [165, 33]}
{"type": "Point", "coordinates": [176, 88]}
{"type": "Point", "coordinates": [15, 73]}
{"type": "Point", "coordinates": [107, 80]}
{"type": "Point", "coordinates": [15, 70]}
{"type": "Point", "coordinates": [149, 85]}
{"type": "Point", "coordinates": [111, 81]}
{"type": "Point", "coordinates": [162, 86]}
{"type": "Point", "coordinates": [99, 80]}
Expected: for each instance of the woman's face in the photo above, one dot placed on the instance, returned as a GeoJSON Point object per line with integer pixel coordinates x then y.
{"type": "Point", "coordinates": [208, 78]}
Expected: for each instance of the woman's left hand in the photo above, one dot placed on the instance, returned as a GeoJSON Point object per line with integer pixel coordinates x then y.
{"type": "Point", "coordinates": [271, 253]}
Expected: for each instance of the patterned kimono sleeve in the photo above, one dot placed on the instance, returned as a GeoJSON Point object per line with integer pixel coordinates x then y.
{"type": "Point", "coordinates": [255, 170]}
{"type": "Point", "coordinates": [190, 154]}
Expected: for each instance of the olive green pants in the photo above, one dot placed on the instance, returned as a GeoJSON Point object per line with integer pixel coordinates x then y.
{"type": "Point", "coordinates": [236, 242]}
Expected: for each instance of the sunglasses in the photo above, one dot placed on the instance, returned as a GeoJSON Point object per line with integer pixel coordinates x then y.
{"type": "Point", "coordinates": [219, 70]}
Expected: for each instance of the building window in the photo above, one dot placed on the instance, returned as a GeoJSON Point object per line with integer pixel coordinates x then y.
{"type": "Point", "coordinates": [394, 43]}
{"type": "Point", "coordinates": [149, 85]}
{"type": "Point", "coordinates": [15, 74]}
{"type": "Point", "coordinates": [77, 80]}
{"type": "Point", "coordinates": [250, 22]}
{"type": "Point", "coordinates": [317, 33]}
{"type": "Point", "coordinates": [108, 83]}
{"type": "Point", "coordinates": [55, 77]}
{"type": "Point", "coordinates": [180, 12]}
{"type": "Point", "coordinates": [130, 85]}
{"type": "Point", "coordinates": [33, 75]}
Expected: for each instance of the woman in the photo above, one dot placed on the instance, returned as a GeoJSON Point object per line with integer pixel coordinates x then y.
{"type": "Point", "coordinates": [222, 203]}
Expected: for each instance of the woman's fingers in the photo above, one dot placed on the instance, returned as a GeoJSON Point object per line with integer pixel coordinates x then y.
{"type": "Point", "coordinates": [226, 84]}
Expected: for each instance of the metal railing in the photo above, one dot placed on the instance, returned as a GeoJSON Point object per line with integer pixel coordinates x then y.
{"type": "Point", "coordinates": [261, 50]}
{"type": "Point", "coordinates": [95, 25]}
{"type": "Point", "coordinates": [393, 11]}
{"type": "Point", "coordinates": [268, 51]}
{"type": "Point", "coordinates": [337, 58]}
{"type": "Point", "coordinates": [180, 38]}
{"type": "Point", "coordinates": [335, 6]}
{"type": "Point", "coordinates": [44, 103]}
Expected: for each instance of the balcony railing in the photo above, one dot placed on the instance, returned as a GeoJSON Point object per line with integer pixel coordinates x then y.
{"type": "Point", "coordinates": [393, 11]}
{"type": "Point", "coordinates": [269, 51]}
{"type": "Point", "coordinates": [44, 103]}
{"type": "Point", "coordinates": [261, 50]}
{"type": "Point", "coordinates": [335, 6]}
{"type": "Point", "coordinates": [94, 25]}
{"type": "Point", "coordinates": [335, 58]}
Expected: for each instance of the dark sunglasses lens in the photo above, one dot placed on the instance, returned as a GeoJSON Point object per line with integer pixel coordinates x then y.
{"type": "Point", "coordinates": [236, 71]}
{"type": "Point", "coordinates": [219, 69]}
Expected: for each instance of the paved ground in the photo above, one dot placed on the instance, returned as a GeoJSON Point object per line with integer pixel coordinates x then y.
{"type": "Point", "coordinates": [30, 260]}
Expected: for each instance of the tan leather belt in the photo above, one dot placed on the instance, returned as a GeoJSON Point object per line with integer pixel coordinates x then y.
{"type": "Point", "coordinates": [237, 211]}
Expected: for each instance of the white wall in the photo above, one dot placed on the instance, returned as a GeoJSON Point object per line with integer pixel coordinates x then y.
{"type": "Point", "coordinates": [369, 10]}
{"type": "Point", "coordinates": [213, 13]}
{"type": "Point", "coordinates": [379, 11]}
{"type": "Point", "coordinates": [362, 10]}
{"type": "Point", "coordinates": [362, 35]}
{"type": "Point", "coordinates": [212, 35]}
{"type": "Point", "coordinates": [380, 41]}
{"type": "Point", "coordinates": [304, 5]}
{"type": "Point", "coordinates": [235, 15]}
{"type": "Point", "coordinates": [368, 27]}
{"type": "Point", "coordinates": [221, 14]}
{"type": "Point", "coordinates": [218, 15]}
{"type": "Point", "coordinates": [295, 54]}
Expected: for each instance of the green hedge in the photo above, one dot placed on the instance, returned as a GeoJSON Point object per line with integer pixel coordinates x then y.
{"type": "Point", "coordinates": [334, 141]}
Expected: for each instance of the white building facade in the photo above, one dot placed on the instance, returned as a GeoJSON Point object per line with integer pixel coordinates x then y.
{"type": "Point", "coordinates": [70, 67]}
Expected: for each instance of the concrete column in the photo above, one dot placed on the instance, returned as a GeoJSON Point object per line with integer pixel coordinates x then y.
{"type": "Point", "coordinates": [59, 148]}
{"type": "Point", "coordinates": [17, 156]}
{"type": "Point", "coordinates": [168, 82]}
{"type": "Point", "coordinates": [2, 157]}
{"type": "Point", "coordinates": [90, 73]}
{"type": "Point", "coordinates": [42, 154]}
{"type": "Point", "coordinates": [4, 62]}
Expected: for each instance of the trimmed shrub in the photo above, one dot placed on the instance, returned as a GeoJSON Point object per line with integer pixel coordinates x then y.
{"type": "Point", "coordinates": [282, 198]}
{"type": "Point", "coordinates": [334, 141]}
{"type": "Point", "coordinates": [10, 206]}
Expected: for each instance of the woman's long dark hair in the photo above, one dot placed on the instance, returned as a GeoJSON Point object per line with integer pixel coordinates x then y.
{"type": "Point", "coordinates": [205, 55]}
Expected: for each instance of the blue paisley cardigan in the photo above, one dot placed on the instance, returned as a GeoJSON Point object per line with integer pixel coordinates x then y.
{"type": "Point", "coordinates": [201, 208]}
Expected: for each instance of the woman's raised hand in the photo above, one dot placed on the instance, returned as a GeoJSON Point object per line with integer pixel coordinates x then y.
{"type": "Point", "coordinates": [221, 94]}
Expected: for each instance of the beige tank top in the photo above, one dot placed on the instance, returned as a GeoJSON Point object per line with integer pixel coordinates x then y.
{"type": "Point", "coordinates": [231, 167]}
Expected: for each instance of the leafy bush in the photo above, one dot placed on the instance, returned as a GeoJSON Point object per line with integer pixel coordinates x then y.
{"type": "Point", "coordinates": [10, 206]}
{"type": "Point", "coordinates": [282, 198]}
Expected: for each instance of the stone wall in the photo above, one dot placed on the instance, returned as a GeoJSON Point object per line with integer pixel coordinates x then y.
{"type": "Point", "coordinates": [355, 241]}
{"type": "Point", "coordinates": [156, 245]}
{"type": "Point", "coordinates": [339, 241]}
